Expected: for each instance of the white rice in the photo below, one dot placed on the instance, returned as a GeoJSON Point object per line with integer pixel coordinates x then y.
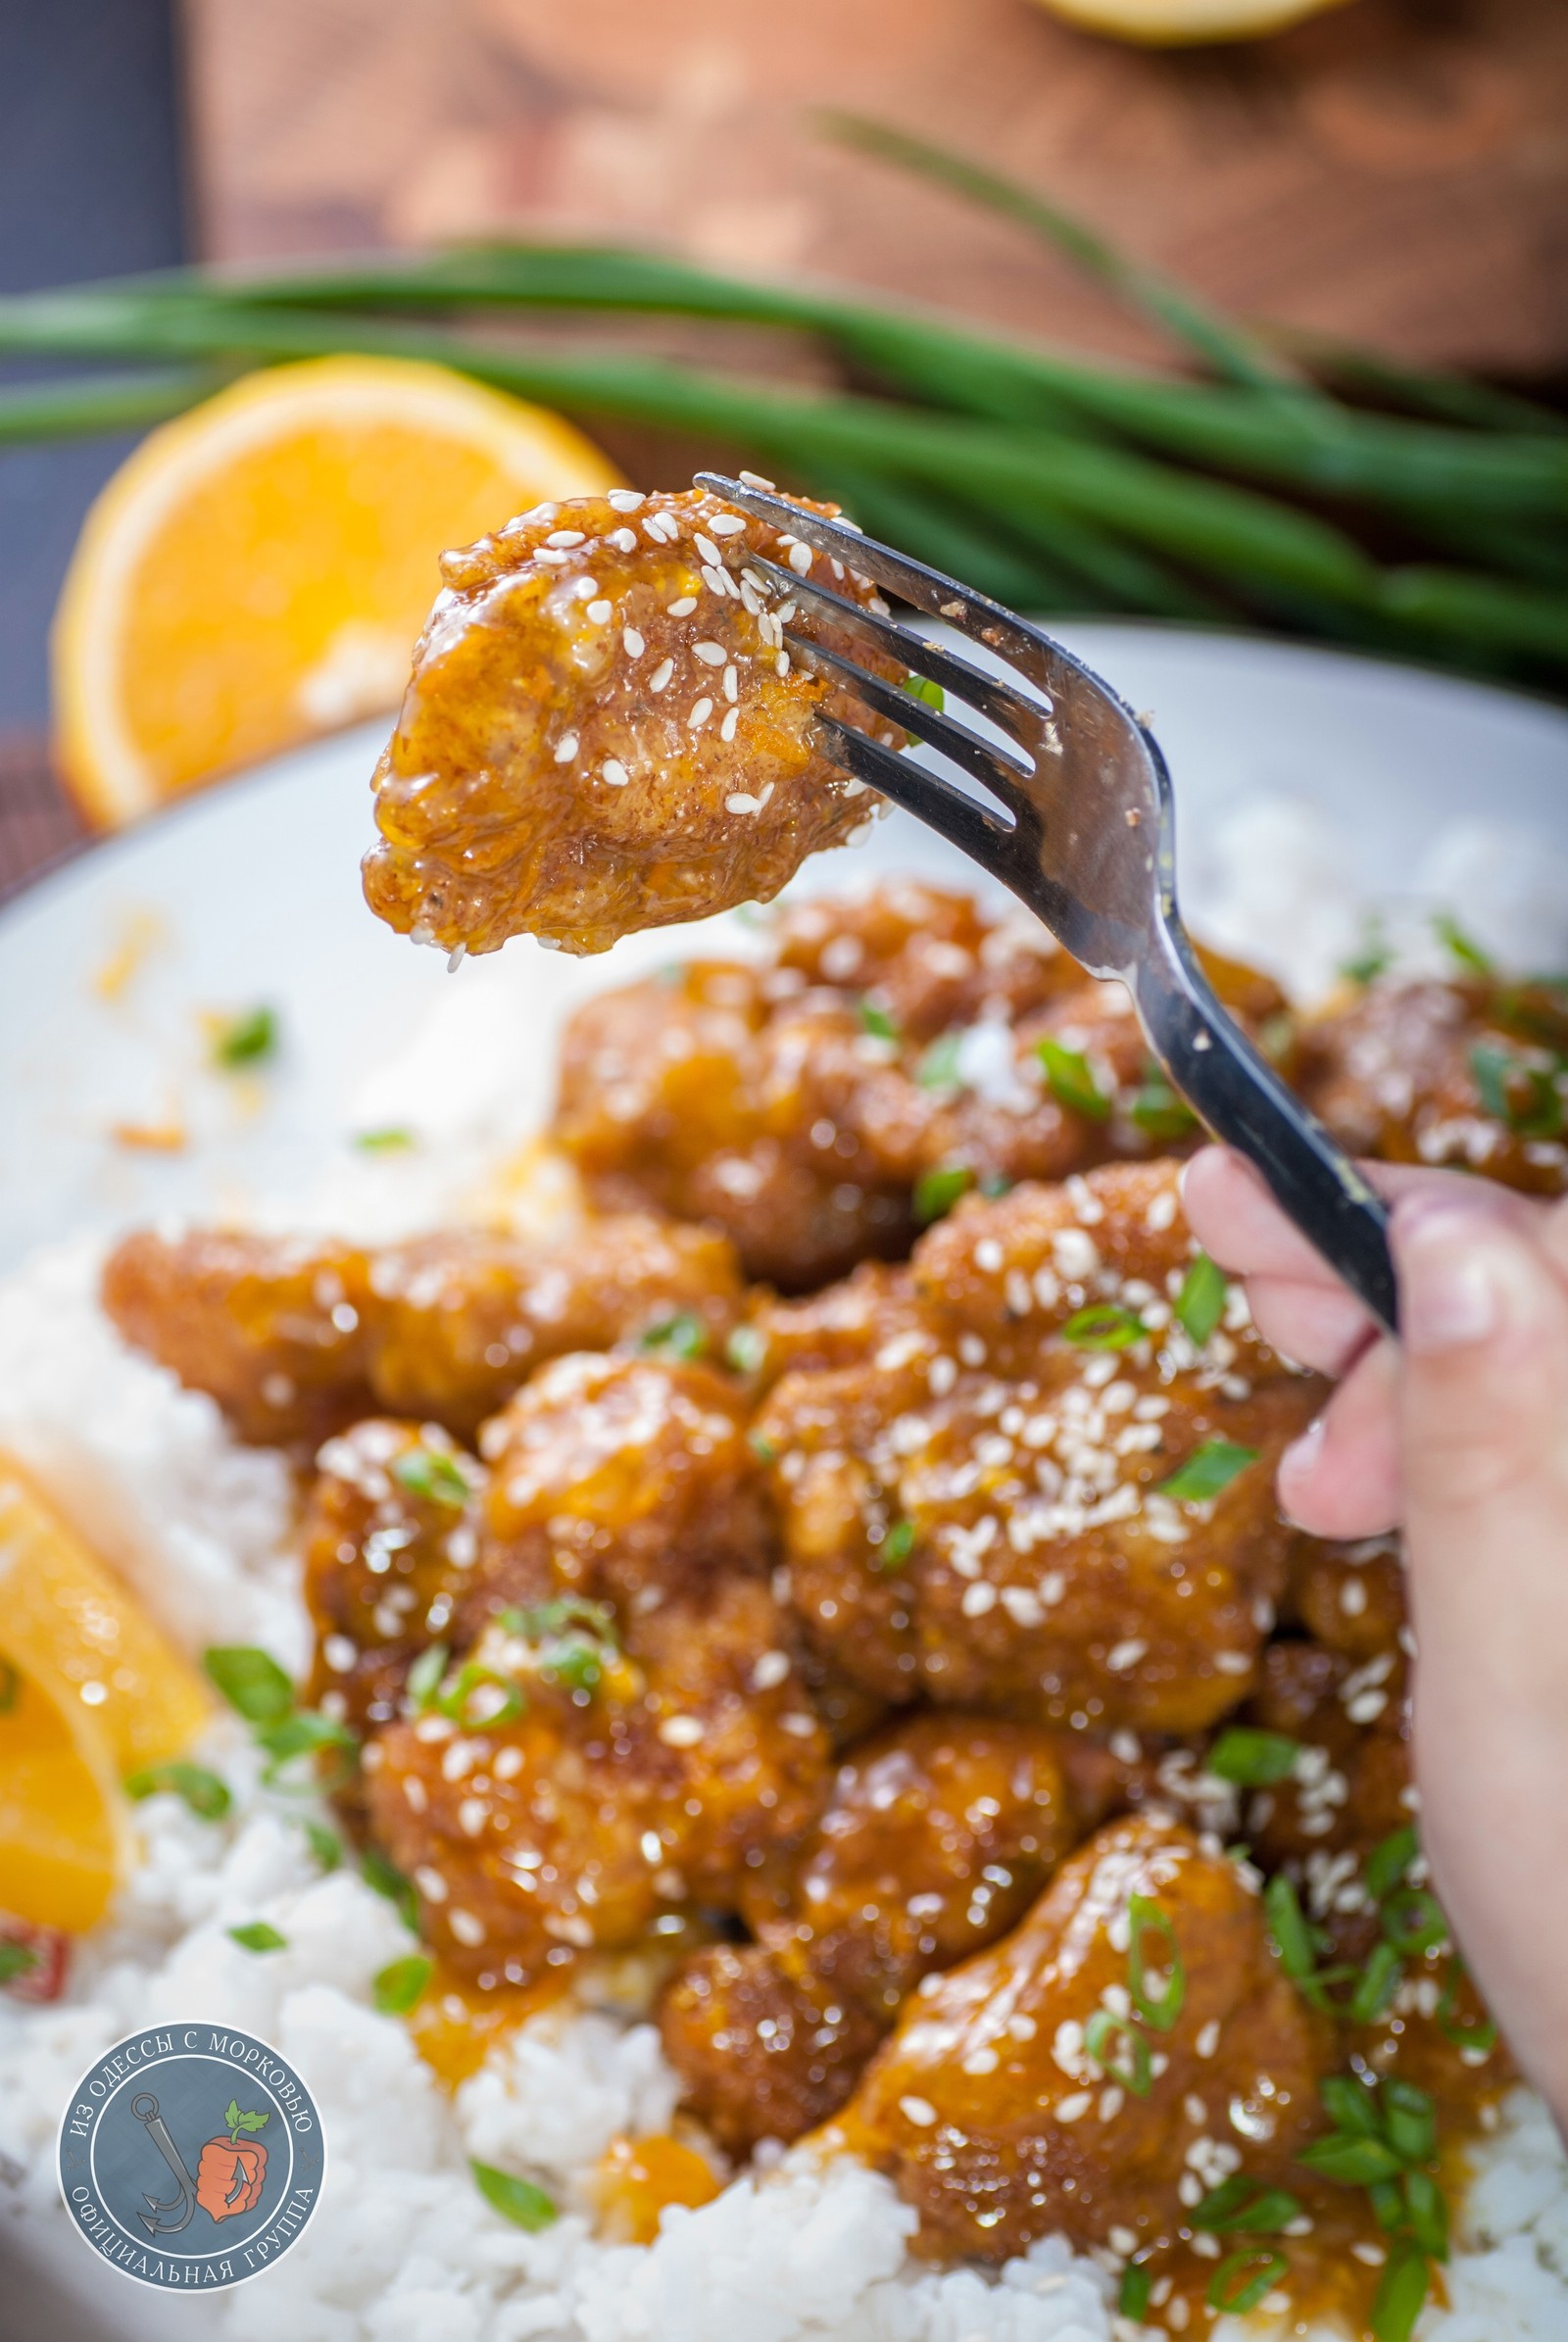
{"type": "Point", "coordinates": [403, 2249]}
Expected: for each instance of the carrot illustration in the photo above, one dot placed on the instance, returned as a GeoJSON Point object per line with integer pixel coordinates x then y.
{"type": "Point", "coordinates": [231, 2171]}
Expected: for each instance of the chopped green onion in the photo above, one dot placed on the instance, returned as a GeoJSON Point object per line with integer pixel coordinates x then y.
{"type": "Point", "coordinates": [1132, 2298]}
{"type": "Point", "coordinates": [542, 1620]}
{"type": "Point", "coordinates": [1252, 1760]}
{"type": "Point", "coordinates": [1410, 2121]}
{"type": "Point", "coordinates": [325, 1844]}
{"type": "Point", "coordinates": [1071, 1080]}
{"type": "Point", "coordinates": [1351, 2107]}
{"type": "Point", "coordinates": [425, 1472]}
{"type": "Point", "coordinates": [1482, 2036]}
{"type": "Point", "coordinates": [896, 1548]}
{"type": "Point", "coordinates": [1200, 1304]}
{"type": "Point", "coordinates": [1293, 1937]}
{"type": "Point", "coordinates": [1469, 956]}
{"type": "Point", "coordinates": [746, 1349]}
{"type": "Point", "coordinates": [307, 1732]}
{"type": "Point", "coordinates": [425, 1676]}
{"type": "Point", "coordinates": [1243, 2206]}
{"type": "Point", "coordinates": [1207, 1471]}
{"type": "Point", "coordinates": [1240, 2283]}
{"type": "Point", "coordinates": [1428, 2211]}
{"type": "Point", "coordinates": [1352, 2162]}
{"type": "Point", "coordinates": [16, 1959]}
{"type": "Point", "coordinates": [921, 687]}
{"type": "Point", "coordinates": [683, 1335]}
{"type": "Point", "coordinates": [1146, 1917]}
{"type": "Point", "coordinates": [1105, 1326]}
{"type": "Point", "coordinates": [386, 1878]}
{"type": "Point", "coordinates": [1374, 959]}
{"type": "Point", "coordinates": [1499, 1073]}
{"type": "Point", "coordinates": [762, 1448]}
{"type": "Point", "coordinates": [473, 1680]}
{"type": "Point", "coordinates": [1387, 2199]}
{"type": "Point", "coordinates": [1376, 1985]}
{"type": "Point", "coordinates": [1136, 2075]}
{"type": "Point", "coordinates": [395, 1988]}
{"type": "Point", "coordinates": [876, 1021]}
{"type": "Point", "coordinates": [250, 1680]}
{"type": "Point", "coordinates": [939, 1068]}
{"type": "Point", "coordinates": [383, 1141]}
{"type": "Point", "coordinates": [202, 1791]}
{"type": "Point", "coordinates": [258, 1935]}
{"type": "Point", "coordinates": [1402, 2294]}
{"type": "Point", "coordinates": [517, 2200]}
{"type": "Point", "coordinates": [937, 1192]}
{"type": "Point", "coordinates": [1389, 1861]}
{"type": "Point", "coordinates": [1413, 1921]}
{"type": "Point", "coordinates": [1160, 1111]}
{"type": "Point", "coordinates": [247, 1039]}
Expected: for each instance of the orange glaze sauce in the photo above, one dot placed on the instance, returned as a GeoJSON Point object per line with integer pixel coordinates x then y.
{"type": "Point", "coordinates": [457, 2022]}
{"type": "Point", "coordinates": [637, 2180]}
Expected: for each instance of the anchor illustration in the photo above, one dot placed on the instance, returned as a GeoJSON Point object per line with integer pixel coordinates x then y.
{"type": "Point", "coordinates": [183, 2201]}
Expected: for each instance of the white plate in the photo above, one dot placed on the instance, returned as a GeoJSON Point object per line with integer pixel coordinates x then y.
{"type": "Point", "coordinates": [252, 890]}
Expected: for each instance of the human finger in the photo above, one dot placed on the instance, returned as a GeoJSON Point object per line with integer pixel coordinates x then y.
{"type": "Point", "coordinates": [1342, 1478]}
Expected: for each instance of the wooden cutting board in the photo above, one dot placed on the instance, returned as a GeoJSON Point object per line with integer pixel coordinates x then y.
{"type": "Point", "coordinates": [1394, 172]}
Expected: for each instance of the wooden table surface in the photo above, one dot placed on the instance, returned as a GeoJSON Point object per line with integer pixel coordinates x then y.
{"type": "Point", "coordinates": [1394, 171]}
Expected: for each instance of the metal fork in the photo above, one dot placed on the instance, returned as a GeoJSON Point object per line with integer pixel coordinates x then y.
{"type": "Point", "coordinates": [1081, 827]}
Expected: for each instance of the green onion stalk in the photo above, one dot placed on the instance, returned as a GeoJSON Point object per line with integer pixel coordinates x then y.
{"type": "Point", "coordinates": [1428, 518]}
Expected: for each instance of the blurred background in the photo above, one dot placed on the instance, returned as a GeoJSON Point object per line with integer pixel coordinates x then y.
{"type": "Point", "coordinates": [1386, 175]}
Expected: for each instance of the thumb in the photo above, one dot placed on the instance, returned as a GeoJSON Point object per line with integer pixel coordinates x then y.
{"type": "Point", "coordinates": [1484, 1435]}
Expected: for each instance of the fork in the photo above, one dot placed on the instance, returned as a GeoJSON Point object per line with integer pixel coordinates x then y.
{"type": "Point", "coordinates": [1079, 823]}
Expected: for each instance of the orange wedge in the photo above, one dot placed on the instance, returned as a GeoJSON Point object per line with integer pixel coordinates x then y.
{"type": "Point", "coordinates": [90, 1691]}
{"type": "Point", "coordinates": [259, 570]}
{"type": "Point", "coordinates": [1171, 23]}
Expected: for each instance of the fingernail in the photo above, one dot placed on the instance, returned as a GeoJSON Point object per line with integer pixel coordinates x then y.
{"type": "Point", "coordinates": [1299, 1460]}
{"type": "Point", "coordinates": [1458, 1278]}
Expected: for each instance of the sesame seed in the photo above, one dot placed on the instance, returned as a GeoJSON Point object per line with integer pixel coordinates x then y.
{"type": "Point", "coordinates": [1074, 2107]}
{"type": "Point", "coordinates": [726, 730]}
{"type": "Point", "coordinates": [1208, 2039]}
{"type": "Point", "coordinates": [680, 1732]}
{"type": "Point", "coordinates": [631, 642]}
{"type": "Point", "coordinates": [708, 551]}
{"type": "Point", "coordinates": [613, 772]}
{"type": "Point", "coordinates": [710, 654]}
{"type": "Point", "coordinates": [727, 524]}
{"type": "Point", "coordinates": [565, 748]}
{"type": "Point", "coordinates": [781, 665]}
{"type": "Point", "coordinates": [770, 1671]}
{"type": "Point", "coordinates": [719, 581]}
{"type": "Point", "coordinates": [467, 1928]}
{"type": "Point", "coordinates": [800, 558]}
{"type": "Point", "coordinates": [661, 675]}
{"type": "Point", "coordinates": [754, 479]}
{"type": "Point", "coordinates": [624, 540]}
{"type": "Point", "coordinates": [600, 612]}
{"type": "Point", "coordinates": [454, 959]}
{"type": "Point", "coordinates": [683, 607]}
{"type": "Point", "coordinates": [700, 715]}
{"type": "Point", "coordinates": [626, 500]}
{"type": "Point", "coordinates": [918, 2111]}
{"type": "Point", "coordinates": [430, 1883]}
{"type": "Point", "coordinates": [732, 688]}
{"type": "Point", "coordinates": [566, 536]}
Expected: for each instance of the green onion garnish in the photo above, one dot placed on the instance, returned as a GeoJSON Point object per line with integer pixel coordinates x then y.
{"type": "Point", "coordinates": [474, 1679]}
{"type": "Point", "coordinates": [939, 1068]}
{"type": "Point", "coordinates": [1144, 1919]}
{"type": "Point", "coordinates": [425, 1676]}
{"type": "Point", "coordinates": [1354, 2161]}
{"type": "Point", "coordinates": [1401, 2295]}
{"type": "Point", "coordinates": [1252, 1760]}
{"type": "Point", "coordinates": [1409, 2119]}
{"type": "Point", "coordinates": [16, 1959]}
{"type": "Point", "coordinates": [202, 1791]}
{"type": "Point", "coordinates": [683, 1335]}
{"type": "Point", "coordinates": [1388, 1861]}
{"type": "Point", "coordinates": [325, 1844]}
{"type": "Point", "coordinates": [1200, 1304]}
{"type": "Point", "coordinates": [1482, 2035]}
{"type": "Point", "coordinates": [1427, 2210]}
{"type": "Point", "coordinates": [762, 1448]}
{"type": "Point", "coordinates": [1207, 1471]}
{"type": "Point", "coordinates": [1376, 1985]}
{"type": "Point", "coordinates": [1160, 1111]}
{"type": "Point", "coordinates": [1241, 2206]}
{"type": "Point", "coordinates": [425, 1472]}
{"type": "Point", "coordinates": [247, 1039]}
{"type": "Point", "coordinates": [1132, 2297]}
{"type": "Point", "coordinates": [395, 1988]}
{"type": "Point", "coordinates": [1288, 1925]}
{"type": "Point", "coordinates": [1500, 1076]}
{"type": "Point", "coordinates": [921, 687]}
{"type": "Point", "coordinates": [746, 1349]}
{"type": "Point", "coordinates": [517, 2200]}
{"type": "Point", "coordinates": [1105, 1326]}
{"type": "Point", "coordinates": [1413, 1922]}
{"type": "Point", "coordinates": [1136, 2072]}
{"type": "Point", "coordinates": [937, 1192]}
{"type": "Point", "coordinates": [258, 1935]}
{"type": "Point", "coordinates": [1240, 2283]}
{"type": "Point", "coordinates": [386, 1878]}
{"type": "Point", "coordinates": [1374, 959]}
{"type": "Point", "coordinates": [896, 1548]}
{"type": "Point", "coordinates": [250, 1680]}
{"type": "Point", "coordinates": [875, 1020]}
{"type": "Point", "coordinates": [1469, 956]}
{"type": "Point", "coordinates": [1071, 1080]}
{"type": "Point", "coordinates": [307, 1732]}
{"type": "Point", "coordinates": [383, 1141]}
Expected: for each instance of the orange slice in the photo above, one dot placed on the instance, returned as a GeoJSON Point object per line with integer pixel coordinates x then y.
{"type": "Point", "coordinates": [259, 570]}
{"type": "Point", "coordinates": [73, 1629]}
{"type": "Point", "coordinates": [62, 1827]}
{"type": "Point", "coordinates": [1173, 22]}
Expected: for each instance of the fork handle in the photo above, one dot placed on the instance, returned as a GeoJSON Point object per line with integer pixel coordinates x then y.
{"type": "Point", "coordinates": [1244, 1101]}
